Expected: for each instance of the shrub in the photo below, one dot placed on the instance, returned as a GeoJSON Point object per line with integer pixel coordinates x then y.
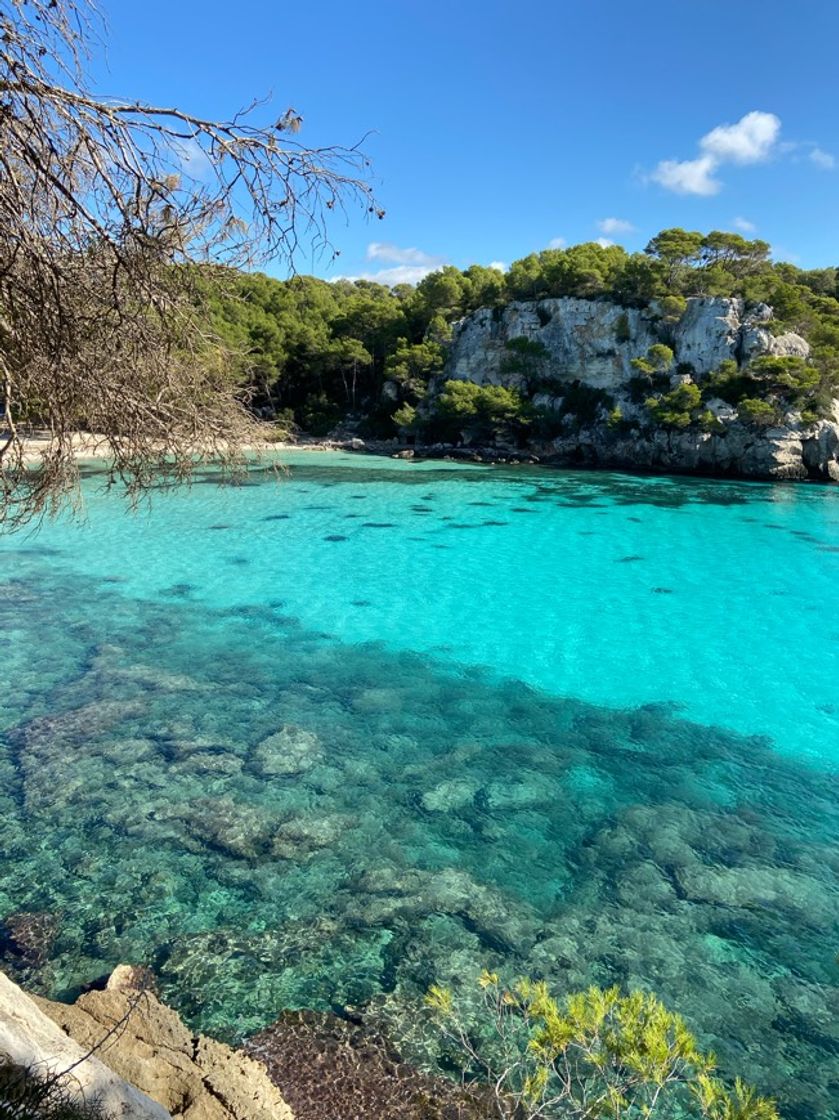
{"type": "Point", "coordinates": [672, 308]}
{"type": "Point", "coordinates": [405, 417]}
{"type": "Point", "coordinates": [728, 383]}
{"type": "Point", "coordinates": [753, 411]}
{"type": "Point", "coordinates": [594, 1054]}
{"type": "Point", "coordinates": [622, 331]}
{"type": "Point", "coordinates": [708, 422]}
{"type": "Point", "coordinates": [792, 377]}
{"type": "Point", "coordinates": [481, 412]}
{"type": "Point", "coordinates": [660, 357]}
{"type": "Point", "coordinates": [675, 409]}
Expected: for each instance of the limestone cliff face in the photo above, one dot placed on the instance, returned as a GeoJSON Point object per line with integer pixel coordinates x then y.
{"type": "Point", "coordinates": [593, 343]}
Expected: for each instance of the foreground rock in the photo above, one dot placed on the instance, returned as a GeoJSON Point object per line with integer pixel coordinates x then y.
{"type": "Point", "coordinates": [31, 1039]}
{"type": "Point", "coordinates": [190, 1076]}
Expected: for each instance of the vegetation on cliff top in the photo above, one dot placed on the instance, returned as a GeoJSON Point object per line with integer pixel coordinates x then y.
{"type": "Point", "coordinates": [314, 352]}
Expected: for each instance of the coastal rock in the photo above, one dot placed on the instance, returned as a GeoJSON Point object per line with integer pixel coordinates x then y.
{"type": "Point", "coordinates": [582, 339]}
{"type": "Point", "coordinates": [192, 1077]}
{"type": "Point", "coordinates": [592, 343]}
{"type": "Point", "coordinates": [708, 333]}
{"type": "Point", "coordinates": [31, 1039]}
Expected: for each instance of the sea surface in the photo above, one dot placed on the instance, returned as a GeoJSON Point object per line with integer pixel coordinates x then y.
{"type": "Point", "coordinates": [324, 738]}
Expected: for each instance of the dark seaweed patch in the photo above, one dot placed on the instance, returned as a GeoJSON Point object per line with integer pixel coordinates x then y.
{"type": "Point", "coordinates": [178, 590]}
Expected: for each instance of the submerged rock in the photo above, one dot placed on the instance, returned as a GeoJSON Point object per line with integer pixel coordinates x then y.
{"type": "Point", "coordinates": [450, 795]}
{"type": "Point", "coordinates": [289, 751]}
{"type": "Point", "coordinates": [27, 937]}
{"type": "Point", "coordinates": [334, 1069]}
{"type": "Point", "coordinates": [395, 894]}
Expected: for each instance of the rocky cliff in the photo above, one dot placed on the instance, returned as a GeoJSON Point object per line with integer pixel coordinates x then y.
{"type": "Point", "coordinates": [132, 1057]}
{"type": "Point", "coordinates": [593, 344]}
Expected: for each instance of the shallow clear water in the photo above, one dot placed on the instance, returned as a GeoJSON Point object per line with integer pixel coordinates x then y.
{"type": "Point", "coordinates": [323, 740]}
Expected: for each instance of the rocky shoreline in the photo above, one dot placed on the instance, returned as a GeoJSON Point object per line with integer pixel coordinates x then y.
{"type": "Point", "coordinates": [136, 1058]}
{"type": "Point", "coordinates": [781, 455]}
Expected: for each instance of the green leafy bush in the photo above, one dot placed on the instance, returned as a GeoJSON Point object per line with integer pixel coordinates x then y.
{"type": "Point", "coordinates": [595, 1055]}
{"type": "Point", "coordinates": [405, 417]}
{"type": "Point", "coordinates": [753, 411]}
{"type": "Point", "coordinates": [481, 413]}
{"type": "Point", "coordinates": [675, 409]}
{"type": "Point", "coordinates": [672, 308]}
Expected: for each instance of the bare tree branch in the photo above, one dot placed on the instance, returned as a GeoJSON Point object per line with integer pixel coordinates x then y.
{"type": "Point", "coordinates": [118, 221]}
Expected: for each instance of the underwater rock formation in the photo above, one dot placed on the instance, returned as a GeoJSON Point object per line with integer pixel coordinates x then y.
{"type": "Point", "coordinates": [330, 1067]}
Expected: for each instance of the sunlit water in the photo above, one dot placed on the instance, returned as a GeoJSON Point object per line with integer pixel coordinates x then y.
{"type": "Point", "coordinates": [324, 740]}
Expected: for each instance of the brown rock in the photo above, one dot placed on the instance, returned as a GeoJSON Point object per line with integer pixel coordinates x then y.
{"type": "Point", "coordinates": [147, 1044]}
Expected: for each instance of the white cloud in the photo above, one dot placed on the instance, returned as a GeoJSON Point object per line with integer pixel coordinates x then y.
{"type": "Point", "coordinates": [502, 266]}
{"type": "Point", "coordinates": [615, 225]}
{"type": "Point", "coordinates": [557, 243]}
{"type": "Point", "coordinates": [744, 225]}
{"type": "Point", "coordinates": [393, 254]}
{"type": "Point", "coordinates": [750, 140]}
{"type": "Point", "coordinates": [688, 176]}
{"type": "Point", "coordinates": [604, 242]}
{"type": "Point", "coordinates": [192, 159]}
{"type": "Point", "coordinates": [399, 274]}
{"type": "Point", "coordinates": [822, 159]}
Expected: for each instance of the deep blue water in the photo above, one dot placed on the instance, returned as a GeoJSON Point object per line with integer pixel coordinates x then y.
{"type": "Point", "coordinates": [324, 740]}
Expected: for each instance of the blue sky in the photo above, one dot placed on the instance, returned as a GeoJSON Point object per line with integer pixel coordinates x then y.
{"type": "Point", "coordinates": [500, 128]}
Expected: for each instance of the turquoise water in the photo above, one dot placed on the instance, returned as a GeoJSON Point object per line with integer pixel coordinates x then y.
{"type": "Point", "coordinates": [323, 740]}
